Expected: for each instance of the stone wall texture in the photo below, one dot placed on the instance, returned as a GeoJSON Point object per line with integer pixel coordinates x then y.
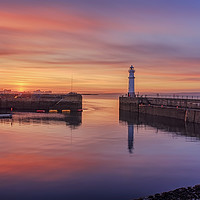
{"type": "Point", "coordinates": [184, 109]}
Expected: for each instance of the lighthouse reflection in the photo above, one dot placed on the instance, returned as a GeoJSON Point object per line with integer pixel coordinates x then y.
{"type": "Point", "coordinates": [176, 127]}
{"type": "Point", "coordinates": [130, 137]}
{"type": "Point", "coordinates": [129, 119]}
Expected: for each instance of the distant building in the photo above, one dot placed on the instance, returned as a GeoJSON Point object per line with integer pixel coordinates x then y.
{"type": "Point", "coordinates": [47, 92]}
{"type": "Point", "coordinates": [7, 91]}
{"type": "Point", "coordinates": [42, 92]}
{"type": "Point", "coordinates": [37, 92]}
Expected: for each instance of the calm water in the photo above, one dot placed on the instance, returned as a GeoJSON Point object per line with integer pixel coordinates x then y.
{"type": "Point", "coordinates": [99, 154]}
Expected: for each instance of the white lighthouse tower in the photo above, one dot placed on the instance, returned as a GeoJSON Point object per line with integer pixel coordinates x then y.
{"type": "Point", "coordinates": [131, 88]}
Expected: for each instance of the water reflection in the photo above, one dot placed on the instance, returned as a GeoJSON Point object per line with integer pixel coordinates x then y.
{"type": "Point", "coordinates": [39, 160]}
{"type": "Point", "coordinates": [72, 120]}
{"type": "Point", "coordinates": [130, 137]}
{"type": "Point", "coordinates": [174, 126]}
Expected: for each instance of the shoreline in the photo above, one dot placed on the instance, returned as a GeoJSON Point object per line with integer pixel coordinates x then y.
{"type": "Point", "coordinates": [187, 193]}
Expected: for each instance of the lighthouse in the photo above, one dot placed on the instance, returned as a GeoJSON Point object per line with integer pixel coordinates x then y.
{"type": "Point", "coordinates": [131, 88]}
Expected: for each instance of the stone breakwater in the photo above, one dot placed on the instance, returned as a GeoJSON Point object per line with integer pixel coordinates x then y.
{"type": "Point", "coordinates": [31, 102]}
{"type": "Point", "coordinates": [183, 109]}
{"type": "Point", "coordinates": [189, 193]}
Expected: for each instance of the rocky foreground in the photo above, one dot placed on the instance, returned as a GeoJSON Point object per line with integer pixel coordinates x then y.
{"type": "Point", "coordinates": [190, 193]}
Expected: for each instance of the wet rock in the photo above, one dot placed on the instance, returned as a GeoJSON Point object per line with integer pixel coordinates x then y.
{"type": "Point", "coordinates": [189, 193]}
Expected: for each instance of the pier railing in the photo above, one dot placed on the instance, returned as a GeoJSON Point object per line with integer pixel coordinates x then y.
{"type": "Point", "coordinates": [174, 96]}
{"type": "Point", "coordinates": [163, 101]}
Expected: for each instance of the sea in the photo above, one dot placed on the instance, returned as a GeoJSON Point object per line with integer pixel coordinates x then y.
{"type": "Point", "coordinates": [100, 153]}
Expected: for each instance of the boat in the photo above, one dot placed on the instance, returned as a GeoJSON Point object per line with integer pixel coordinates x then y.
{"type": "Point", "coordinates": [7, 115]}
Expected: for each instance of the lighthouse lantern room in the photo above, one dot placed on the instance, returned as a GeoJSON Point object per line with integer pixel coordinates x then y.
{"type": "Point", "coordinates": [131, 88]}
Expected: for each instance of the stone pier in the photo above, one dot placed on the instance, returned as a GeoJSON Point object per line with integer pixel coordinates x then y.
{"type": "Point", "coordinates": [183, 109]}
{"type": "Point", "coordinates": [30, 102]}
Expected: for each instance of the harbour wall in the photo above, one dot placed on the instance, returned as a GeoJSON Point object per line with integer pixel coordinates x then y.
{"type": "Point", "coordinates": [183, 109]}
{"type": "Point", "coordinates": [72, 102]}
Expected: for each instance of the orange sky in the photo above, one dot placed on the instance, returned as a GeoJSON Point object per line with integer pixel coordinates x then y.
{"type": "Point", "coordinates": [44, 45]}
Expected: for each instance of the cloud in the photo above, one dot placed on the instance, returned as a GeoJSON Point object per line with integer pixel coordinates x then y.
{"type": "Point", "coordinates": [44, 43]}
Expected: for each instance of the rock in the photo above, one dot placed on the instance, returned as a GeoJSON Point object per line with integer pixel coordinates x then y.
{"type": "Point", "coordinates": [189, 193]}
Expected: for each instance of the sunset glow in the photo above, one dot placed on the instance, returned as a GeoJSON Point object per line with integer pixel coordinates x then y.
{"type": "Point", "coordinates": [44, 44]}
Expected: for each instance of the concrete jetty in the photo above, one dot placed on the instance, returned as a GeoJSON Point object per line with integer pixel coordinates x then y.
{"type": "Point", "coordinates": [41, 102]}
{"type": "Point", "coordinates": [183, 109]}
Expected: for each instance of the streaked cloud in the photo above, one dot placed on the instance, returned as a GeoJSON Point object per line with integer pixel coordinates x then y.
{"type": "Point", "coordinates": [43, 44]}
